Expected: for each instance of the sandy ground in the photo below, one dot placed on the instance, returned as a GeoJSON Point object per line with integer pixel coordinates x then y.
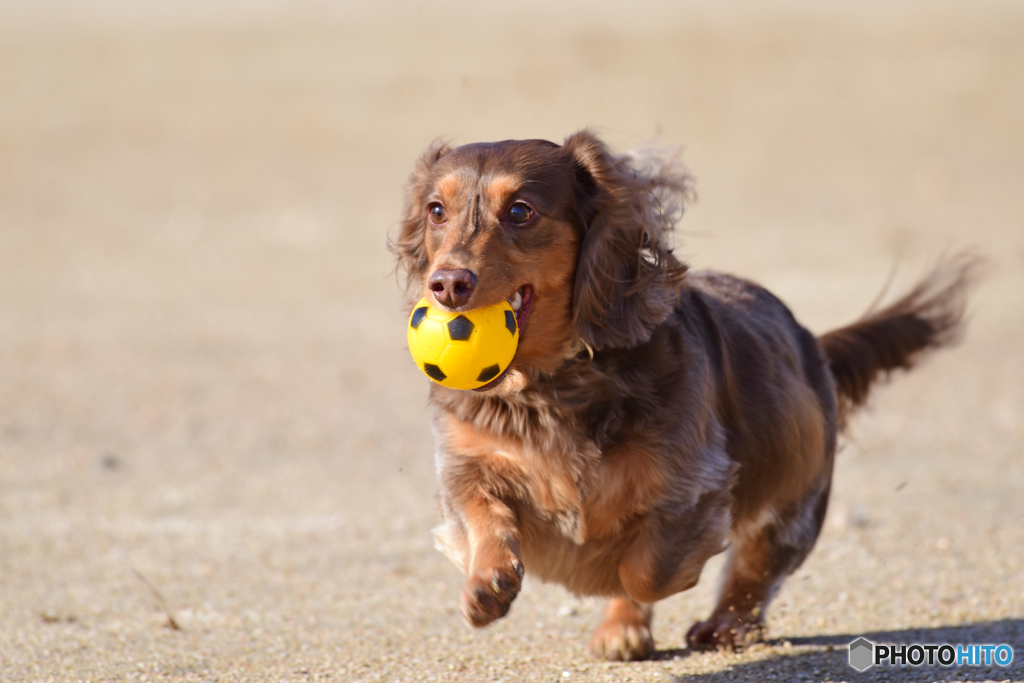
{"type": "Point", "coordinates": [204, 390]}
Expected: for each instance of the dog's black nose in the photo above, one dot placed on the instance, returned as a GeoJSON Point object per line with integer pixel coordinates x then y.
{"type": "Point", "coordinates": [452, 288]}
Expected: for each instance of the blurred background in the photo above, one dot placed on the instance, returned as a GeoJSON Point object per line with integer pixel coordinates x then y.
{"type": "Point", "coordinates": [207, 413]}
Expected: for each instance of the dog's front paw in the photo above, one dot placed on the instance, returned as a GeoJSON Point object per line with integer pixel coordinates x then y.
{"type": "Point", "coordinates": [487, 595]}
{"type": "Point", "coordinates": [622, 642]}
{"type": "Point", "coordinates": [625, 633]}
{"type": "Point", "coordinates": [726, 631]}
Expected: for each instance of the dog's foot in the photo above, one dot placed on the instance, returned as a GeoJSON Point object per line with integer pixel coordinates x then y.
{"type": "Point", "coordinates": [726, 631]}
{"type": "Point", "coordinates": [625, 632]}
{"type": "Point", "coordinates": [487, 595]}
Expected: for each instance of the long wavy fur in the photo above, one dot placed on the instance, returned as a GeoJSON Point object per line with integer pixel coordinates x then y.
{"type": "Point", "coordinates": [627, 276]}
{"type": "Point", "coordinates": [929, 316]}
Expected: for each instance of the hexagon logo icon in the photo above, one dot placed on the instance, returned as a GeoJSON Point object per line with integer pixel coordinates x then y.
{"type": "Point", "coordinates": [862, 654]}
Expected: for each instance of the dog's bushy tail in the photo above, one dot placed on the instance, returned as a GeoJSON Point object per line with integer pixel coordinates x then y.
{"type": "Point", "coordinates": [930, 316]}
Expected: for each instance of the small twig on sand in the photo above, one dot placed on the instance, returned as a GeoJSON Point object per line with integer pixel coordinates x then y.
{"type": "Point", "coordinates": [171, 623]}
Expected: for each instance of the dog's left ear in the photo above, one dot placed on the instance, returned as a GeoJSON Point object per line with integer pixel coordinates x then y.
{"type": "Point", "coordinates": [626, 277]}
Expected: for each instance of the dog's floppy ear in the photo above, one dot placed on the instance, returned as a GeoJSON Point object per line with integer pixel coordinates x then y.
{"type": "Point", "coordinates": [626, 276]}
{"type": "Point", "coordinates": [409, 246]}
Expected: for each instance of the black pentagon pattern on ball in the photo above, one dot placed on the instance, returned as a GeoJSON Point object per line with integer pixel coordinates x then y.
{"type": "Point", "coordinates": [417, 317]}
{"type": "Point", "coordinates": [434, 372]}
{"type": "Point", "coordinates": [510, 322]}
{"type": "Point", "coordinates": [489, 373]}
{"type": "Point", "coordinates": [460, 329]}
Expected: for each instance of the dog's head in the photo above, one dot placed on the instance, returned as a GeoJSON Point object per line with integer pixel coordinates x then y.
{"type": "Point", "coordinates": [572, 235]}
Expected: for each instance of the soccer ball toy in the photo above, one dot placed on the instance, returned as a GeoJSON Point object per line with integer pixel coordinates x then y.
{"type": "Point", "coordinates": [463, 350]}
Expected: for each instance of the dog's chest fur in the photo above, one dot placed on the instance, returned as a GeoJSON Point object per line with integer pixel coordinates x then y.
{"type": "Point", "coordinates": [531, 451]}
{"type": "Point", "coordinates": [573, 450]}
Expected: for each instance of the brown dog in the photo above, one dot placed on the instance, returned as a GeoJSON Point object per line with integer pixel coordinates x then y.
{"type": "Point", "coordinates": [651, 417]}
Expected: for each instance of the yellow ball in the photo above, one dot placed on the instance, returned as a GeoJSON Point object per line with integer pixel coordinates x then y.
{"type": "Point", "coordinates": [462, 350]}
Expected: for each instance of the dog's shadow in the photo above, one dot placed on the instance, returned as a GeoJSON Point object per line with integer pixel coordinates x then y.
{"type": "Point", "coordinates": [825, 658]}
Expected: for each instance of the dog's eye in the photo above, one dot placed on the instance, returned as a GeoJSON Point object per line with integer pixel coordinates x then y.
{"type": "Point", "coordinates": [519, 213]}
{"type": "Point", "coordinates": [437, 214]}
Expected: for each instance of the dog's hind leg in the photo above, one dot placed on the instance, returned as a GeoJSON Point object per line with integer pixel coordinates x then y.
{"type": "Point", "coordinates": [763, 553]}
{"type": "Point", "coordinates": [665, 557]}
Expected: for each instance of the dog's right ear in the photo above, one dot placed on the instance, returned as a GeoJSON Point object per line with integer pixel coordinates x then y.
{"type": "Point", "coordinates": [409, 246]}
{"type": "Point", "coordinates": [626, 276]}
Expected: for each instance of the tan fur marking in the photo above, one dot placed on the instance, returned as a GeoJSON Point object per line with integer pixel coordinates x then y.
{"type": "Point", "coordinates": [500, 188]}
{"type": "Point", "coordinates": [450, 187]}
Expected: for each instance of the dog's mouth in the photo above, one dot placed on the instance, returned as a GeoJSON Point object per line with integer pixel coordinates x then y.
{"type": "Point", "coordinates": [521, 302]}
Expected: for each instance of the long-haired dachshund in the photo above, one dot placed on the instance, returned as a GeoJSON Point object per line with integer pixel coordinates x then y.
{"type": "Point", "coordinates": [652, 417]}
